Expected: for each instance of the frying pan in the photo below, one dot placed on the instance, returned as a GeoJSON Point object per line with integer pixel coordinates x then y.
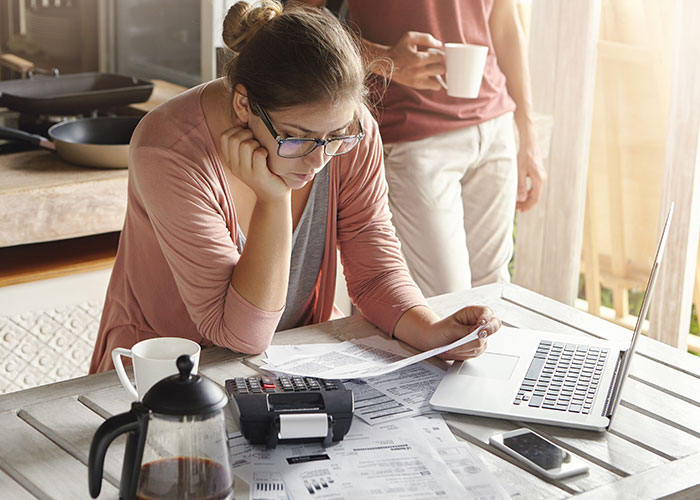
{"type": "Point", "coordinates": [92, 142]}
{"type": "Point", "coordinates": [78, 93]}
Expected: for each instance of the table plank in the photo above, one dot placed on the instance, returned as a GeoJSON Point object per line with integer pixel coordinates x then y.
{"type": "Point", "coordinates": [479, 429]}
{"type": "Point", "coordinates": [44, 465]}
{"type": "Point", "coordinates": [71, 425]}
{"type": "Point", "coordinates": [56, 390]}
{"type": "Point", "coordinates": [648, 432]}
{"type": "Point", "coordinates": [108, 401]}
{"type": "Point", "coordinates": [11, 489]}
{"type": "Point", "coordinates": [677, 476]}
{"type": "Point", "coordinates": [661, 406]}
{"type": "Point", "coordinates": [666, 379]}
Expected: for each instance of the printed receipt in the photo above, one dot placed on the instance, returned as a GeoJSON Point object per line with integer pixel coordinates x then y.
{"type": "Point", "coordinates": [352, 359]}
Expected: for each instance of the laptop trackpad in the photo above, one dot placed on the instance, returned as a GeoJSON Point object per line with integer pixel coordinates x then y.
{"type": "Point", "coordinates": [490, 365]}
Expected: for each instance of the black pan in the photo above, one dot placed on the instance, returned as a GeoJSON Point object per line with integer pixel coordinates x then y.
{"type": "Point", "coordinates": [92, 142]}
{"type": "Point", "coordinates": [78, 93]}
{"type": "Point", "coordinates": [74, 94]}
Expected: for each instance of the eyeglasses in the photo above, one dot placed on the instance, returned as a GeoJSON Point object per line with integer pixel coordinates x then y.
{"type": "Point", "coordinates": [294, 147]}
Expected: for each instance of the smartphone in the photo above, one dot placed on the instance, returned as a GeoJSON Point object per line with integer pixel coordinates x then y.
{"type": "Point", "coordinates": [538, 453]}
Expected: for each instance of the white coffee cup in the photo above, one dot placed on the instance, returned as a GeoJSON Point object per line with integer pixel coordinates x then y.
{"type": "Point", "coordinates": [464, 63]}
{"type": "Point", "coordinates": [153, 360]}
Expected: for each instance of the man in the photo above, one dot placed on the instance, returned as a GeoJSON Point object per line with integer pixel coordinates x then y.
{"type": "Point", "coordinates": [455, 176]}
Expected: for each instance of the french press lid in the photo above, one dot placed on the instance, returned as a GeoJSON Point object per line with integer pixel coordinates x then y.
{"type": "Point", "coordinates": [184, 393]}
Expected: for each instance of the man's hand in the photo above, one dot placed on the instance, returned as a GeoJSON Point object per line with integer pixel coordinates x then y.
{"type": "Point", "coordinates": [413, 67]}
{"type": "Point", "coordinates": [531, 177]}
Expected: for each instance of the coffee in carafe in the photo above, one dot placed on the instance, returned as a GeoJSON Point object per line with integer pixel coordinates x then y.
{"type": "Point", "coordinates": [184, 477]}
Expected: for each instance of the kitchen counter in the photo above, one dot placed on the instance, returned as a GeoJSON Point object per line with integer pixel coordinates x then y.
{"type": "Point", "coordinates": [43, 198]}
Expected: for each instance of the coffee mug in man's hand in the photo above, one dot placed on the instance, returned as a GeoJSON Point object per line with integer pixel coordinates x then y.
{"type": "Point", "coordinates": [464, 63]}
{"type": "Point", "coordinates": [153, 360]}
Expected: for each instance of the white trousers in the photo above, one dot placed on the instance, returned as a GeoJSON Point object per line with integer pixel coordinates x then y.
{"type": "Point", "coordinates": [452, 197]}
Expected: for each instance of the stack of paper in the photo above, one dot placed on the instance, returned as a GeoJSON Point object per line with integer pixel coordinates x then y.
{"type": "Point", "coordinates": [414, 458]}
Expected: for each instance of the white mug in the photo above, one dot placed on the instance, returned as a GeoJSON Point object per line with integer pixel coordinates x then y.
{"type": "Point", "coordinates": [464, 68]}
{"type": "Point", "coordinates": [153, 360]}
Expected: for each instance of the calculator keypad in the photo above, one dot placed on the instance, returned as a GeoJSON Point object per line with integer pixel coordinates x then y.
{"type": "Point", "coordinates": [252, 385]}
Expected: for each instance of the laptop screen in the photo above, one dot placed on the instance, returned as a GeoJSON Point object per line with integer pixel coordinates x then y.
{"type": "Point", "coordinates": [627, 356]}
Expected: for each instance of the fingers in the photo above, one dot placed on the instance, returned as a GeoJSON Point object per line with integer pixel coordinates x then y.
{"type": "Point", "coordinates": [259, 155]}
{"type": "Point", "coordinates": [492, 326]}
{"type": "Point", "coordinates": [467, 351]}
{"type": "Point", "coordinates": [420, 39]}
{"type": "Point", "coordinates": [431, 70]}
{"type": "Point", "coordinates": [522, 185]}
{"type": "Point", "coordinates": [530, 171]}
{"type": "Point", "coordinates": [418, 70]}
{"type": "Point", "coordinates": [476, 351]}
{"type": "Point", "coordinates": [478, 315]}
{"type": "Point", "coordinates": [529, 201]}
{"type": "Point", "coordinates": [238, 146]}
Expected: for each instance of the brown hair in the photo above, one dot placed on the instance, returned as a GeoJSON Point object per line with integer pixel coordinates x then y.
{"type": "Point", "coordinates": [293, 55]}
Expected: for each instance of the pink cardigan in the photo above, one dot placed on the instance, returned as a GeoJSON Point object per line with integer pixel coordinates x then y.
{"type": "Point", "coordinates": [172, 275]}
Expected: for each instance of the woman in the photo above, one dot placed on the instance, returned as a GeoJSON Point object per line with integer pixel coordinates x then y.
{"type": "Point", "coordinates": [241, 189]}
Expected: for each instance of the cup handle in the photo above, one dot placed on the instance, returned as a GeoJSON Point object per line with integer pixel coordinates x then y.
{"type": "Point", "coordinates": [117, 354]}
{"type": "Point", "coordinates": [439, 77]}
{"type": "Point", "coordinates": [442, 82]}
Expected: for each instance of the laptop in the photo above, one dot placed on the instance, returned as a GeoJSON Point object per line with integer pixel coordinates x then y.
{"type": "Point", "coordinates": [547, 378]}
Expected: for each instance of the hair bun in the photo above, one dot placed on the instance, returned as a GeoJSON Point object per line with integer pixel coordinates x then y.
{"type": "Point", "coordinates": [244, 20]}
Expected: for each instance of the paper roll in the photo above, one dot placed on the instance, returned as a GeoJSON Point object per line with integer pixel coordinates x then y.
{"type": "Point", "coordinates": [296, 426]}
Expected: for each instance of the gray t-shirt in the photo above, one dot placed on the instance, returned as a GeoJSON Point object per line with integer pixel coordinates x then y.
{"type": "Point", "coordinates": [308, 243]}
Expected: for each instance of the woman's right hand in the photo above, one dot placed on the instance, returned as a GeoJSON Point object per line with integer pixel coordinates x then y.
{"type": "Point", "coordinates": [247, 160]}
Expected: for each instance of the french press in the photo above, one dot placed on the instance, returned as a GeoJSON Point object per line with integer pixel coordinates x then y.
{"type": "Point", "coordinates": [176, 446]}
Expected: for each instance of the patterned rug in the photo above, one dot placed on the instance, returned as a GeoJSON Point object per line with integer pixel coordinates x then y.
{"type": "Point", "coordinates": [41, 347]}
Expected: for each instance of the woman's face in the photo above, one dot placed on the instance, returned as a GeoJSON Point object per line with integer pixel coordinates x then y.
{"type": "Point", "coordinates": [317, 121]}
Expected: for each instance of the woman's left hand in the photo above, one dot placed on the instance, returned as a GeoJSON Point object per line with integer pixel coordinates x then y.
{"type": "Point", "coordinates": [462, 323]}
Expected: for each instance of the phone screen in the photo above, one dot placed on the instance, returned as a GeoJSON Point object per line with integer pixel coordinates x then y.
{"type": "Point", "coordinates": [537, 450]}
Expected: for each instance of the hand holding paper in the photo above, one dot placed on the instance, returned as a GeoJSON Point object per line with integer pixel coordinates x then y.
{"type": "Point", "coordinates": [423, 329]}
{"type": "Point", "coordinates": [452, 327]}
{"type": "Point", "coordinates": [355, 359]}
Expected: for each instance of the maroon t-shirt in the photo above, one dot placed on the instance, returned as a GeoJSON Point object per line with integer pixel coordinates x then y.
{"type": "Point", "coordinates": [407, 114]}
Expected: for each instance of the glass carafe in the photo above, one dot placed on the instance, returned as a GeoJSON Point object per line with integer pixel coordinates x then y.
{"type": "Point", "coordinates": [176, 446]}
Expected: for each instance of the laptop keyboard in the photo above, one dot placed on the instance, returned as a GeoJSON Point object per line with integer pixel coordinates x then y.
{"type": "Point", "coordinates": [563, 377]}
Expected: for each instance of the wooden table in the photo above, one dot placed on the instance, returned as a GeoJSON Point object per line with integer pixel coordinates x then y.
{"type": "Point", "coordinates": [652, 450]}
